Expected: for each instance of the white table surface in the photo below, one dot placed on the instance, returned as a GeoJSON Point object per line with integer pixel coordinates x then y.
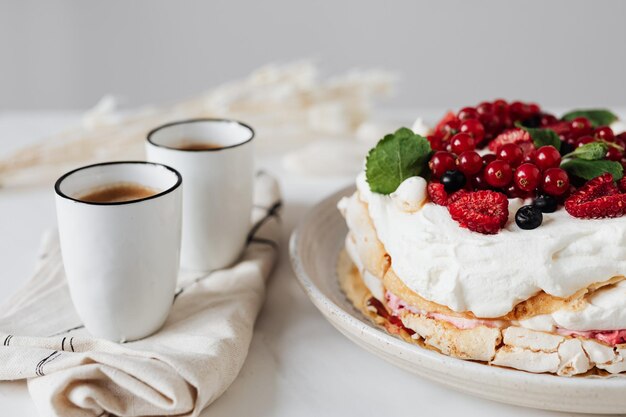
{"type": "Point", "coordinates": [298, 364]}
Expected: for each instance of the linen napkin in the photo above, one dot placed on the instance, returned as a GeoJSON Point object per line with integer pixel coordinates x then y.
{"type": "Point", "coordinates": [177, 371]}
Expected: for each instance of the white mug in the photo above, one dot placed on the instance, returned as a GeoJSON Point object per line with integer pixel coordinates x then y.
{"type": "Point", "coordinates": [121, 259]}
{"type": "Point", "coordinates": [217, 190]}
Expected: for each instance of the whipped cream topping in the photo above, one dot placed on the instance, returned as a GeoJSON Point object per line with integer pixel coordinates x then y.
{"type": "Point", "coordinates": [489, 274]}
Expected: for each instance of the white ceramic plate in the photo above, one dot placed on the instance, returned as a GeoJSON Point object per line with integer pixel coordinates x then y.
{"type": "Point", "coordinates": [315, 246]}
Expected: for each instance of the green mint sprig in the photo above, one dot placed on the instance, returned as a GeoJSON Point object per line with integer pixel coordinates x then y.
{"type": "Point", "coordinates": [587, 162]}
{"type": "Point", "coordinates": [396, 157]}
{"type": "Point", "coordinates": [597, 117]}
{"type": "Point", "coordinates": [543, 137]}
{"type": "Point", "coordinates": [589, 152]}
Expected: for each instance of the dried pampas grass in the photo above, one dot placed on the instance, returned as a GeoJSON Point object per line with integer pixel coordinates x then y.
{"type": "Point", "coordinates": [287, 105]}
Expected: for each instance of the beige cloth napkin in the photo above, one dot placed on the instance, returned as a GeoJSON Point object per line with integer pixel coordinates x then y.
{"type": "Point", "coordinates": [177, 371]}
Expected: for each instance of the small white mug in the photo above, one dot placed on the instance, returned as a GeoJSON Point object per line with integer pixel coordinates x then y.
{"type": "Point", "coordinates": [121, 259]}
{"type": "Point", "coordinates": [217, 190]}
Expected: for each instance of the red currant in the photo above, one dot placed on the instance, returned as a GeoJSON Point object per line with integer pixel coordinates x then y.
{"type": "Point", "coordinates": [511, 153]}
{"type": "Point", "coordinates": [555, 182]}
{"type": "Point", "coordinates": [580, 126]}
{"type": "Point", "coordinates": [498, 173]}
{"type": "Point", "coordinates": [478, 182]}
{"type": "Point", "coordinates": [491, 123]}
{"type": "Point", "coordinates": [547, 119]}
{"type": "Point", "coordinates": [547, 157]}
{"type": "Point", "coordinates": [501, 106]}
{"type": "Point", "coordinates": [527, 177]}
{"type": "Point", "coordinates": [441, 162]}
{"type": "Point", "coordinates": [467, 113]}
{"type": "Point", "coordinates": [604, 133]}
{"type": "Point", "coordinates": [450, 128]}
{"type": "Point", "coordinates": [469, 162]}
{"type": "Point", "coordinates": [462, 142]}
{"type": "Point", "coordinates": [583, 140]}
{"type": "Point", "coordinates": [485, 108]}
{"type": "Point", "coordinates": [488, 157]}
{"type": "Point", "coordinates": [534, 108]}
{"type": "Point", "coordinates": [614, 154]}
{"type": "Point", "coordinates": [518, 110]}
{"type": "Point", "coordinates": [474, 128]}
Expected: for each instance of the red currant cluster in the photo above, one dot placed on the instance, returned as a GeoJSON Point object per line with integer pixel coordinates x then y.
{"type": "Point", "coordinates": [579, 132]}
{"type": "Point", "coordinates": [474, 186]}
{"type": "Point", "coordinates": [510, 170]}
{"type": "Point", "coordinates": [486, 121]}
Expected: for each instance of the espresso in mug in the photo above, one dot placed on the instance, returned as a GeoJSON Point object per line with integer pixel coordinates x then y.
{"type": "Point", "coordinates": [118, 192]}
{"type": "Point", "coordinates": [195, 145]}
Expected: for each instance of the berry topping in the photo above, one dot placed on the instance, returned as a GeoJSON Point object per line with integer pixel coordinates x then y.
{"type": "Point", "coordinates": [583, 140]}
{"type": "Point", "coordinates": [598, 198]}
{"type": "Point", "coordinates": [439, 196]}
{"type": "Point", "coordinates": [437, 193]}
{"type": "Point", "coordinates": [487, 158]}
{"type": "Point", "coordinates": [467, 113]}
{"type": "Point", "coordinates": [547, 157]}
{"type": "Point", "coordinates": [481, 211]}
{"type": "Point", "coordinates": [498, 173]}
{"type": "Point", "coordinates": [519, 137]}
{"type": "Point", "coordinates": [614, 154]}
{"type": "Point", "coordinates": [444, 125]}
{"type": "Point", "coordinates": [546, 203]}
{"type": "Point", "coordinates": [441, 162]}
{"type": "Point", "coordinates": [474, 128]}
{"type": "Point", "coordinates": [581, 126]}
{"type": "Point", "coordinates": [453, 181]}
{"type": "Point", "coordinates": [511, 153]}
{"type": "Point", "coordinates": [555, 182]}
{"type": "Point", "coordinates": [469, 163]}
{"type": "Point", "coordinates": [527, 177]}
{"type": "Point", "coordinates": [621, 184]}
{"type": "Point", "coordinates": [528, 217]}
{"type": "Point", "coordinates": [604, 133]}
{"type": "Point", "coordinates": [462, 142]}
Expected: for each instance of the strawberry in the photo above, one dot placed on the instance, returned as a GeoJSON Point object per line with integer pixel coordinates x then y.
{"type": "Point", "coordinates": [598, 198]}
{"type": "Point", "coordinates": [439, 196]}
{"type": "Point", "coordinates": [481, 211]}
{"type": "Point", "coordinates": [517, 136]}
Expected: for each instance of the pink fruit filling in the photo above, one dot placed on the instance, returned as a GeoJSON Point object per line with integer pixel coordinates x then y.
{"type": "Point", "coordinates": [397, 305]}
{"type": "Point", "coordinates": [610, 337]}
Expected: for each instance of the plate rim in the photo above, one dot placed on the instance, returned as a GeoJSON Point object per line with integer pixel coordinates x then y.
{"type": "Point", "coordinates": [318, 298]}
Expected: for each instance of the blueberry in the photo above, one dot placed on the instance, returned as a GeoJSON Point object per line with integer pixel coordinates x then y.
{"type": "Point", "coordinates": [528, 217]}
{"type": "Point", "coordinates": [453, 181]}
{"type": "Point", "coordinates": [533, 121]}
{"type": "Point", "coordinates": [566, 148]}
{"type": "Point", "coordinates": [546, 203]}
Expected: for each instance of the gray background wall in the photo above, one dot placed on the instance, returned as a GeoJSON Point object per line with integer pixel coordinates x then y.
{"type": "Point", "coordinates": [58, 54]}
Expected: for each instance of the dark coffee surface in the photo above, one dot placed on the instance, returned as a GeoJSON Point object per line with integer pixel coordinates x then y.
{"type": "Point", "coordinates": [118, 192]}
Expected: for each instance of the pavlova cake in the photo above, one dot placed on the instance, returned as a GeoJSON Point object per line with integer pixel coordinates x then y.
{"type": "Point", "coordinates": [497, 236]}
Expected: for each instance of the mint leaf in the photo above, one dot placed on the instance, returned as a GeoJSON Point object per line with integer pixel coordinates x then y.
{"type": "Point", "coordinates": [590, 169]}
{"type": "Point", "coordinates": [395, 158]}
{"type": "Point", "coordinates": [590, 151]}
{"type": "Point", "coordinates": [597, 117]}
{"type": "Point", "coordinates": [543, 137]}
